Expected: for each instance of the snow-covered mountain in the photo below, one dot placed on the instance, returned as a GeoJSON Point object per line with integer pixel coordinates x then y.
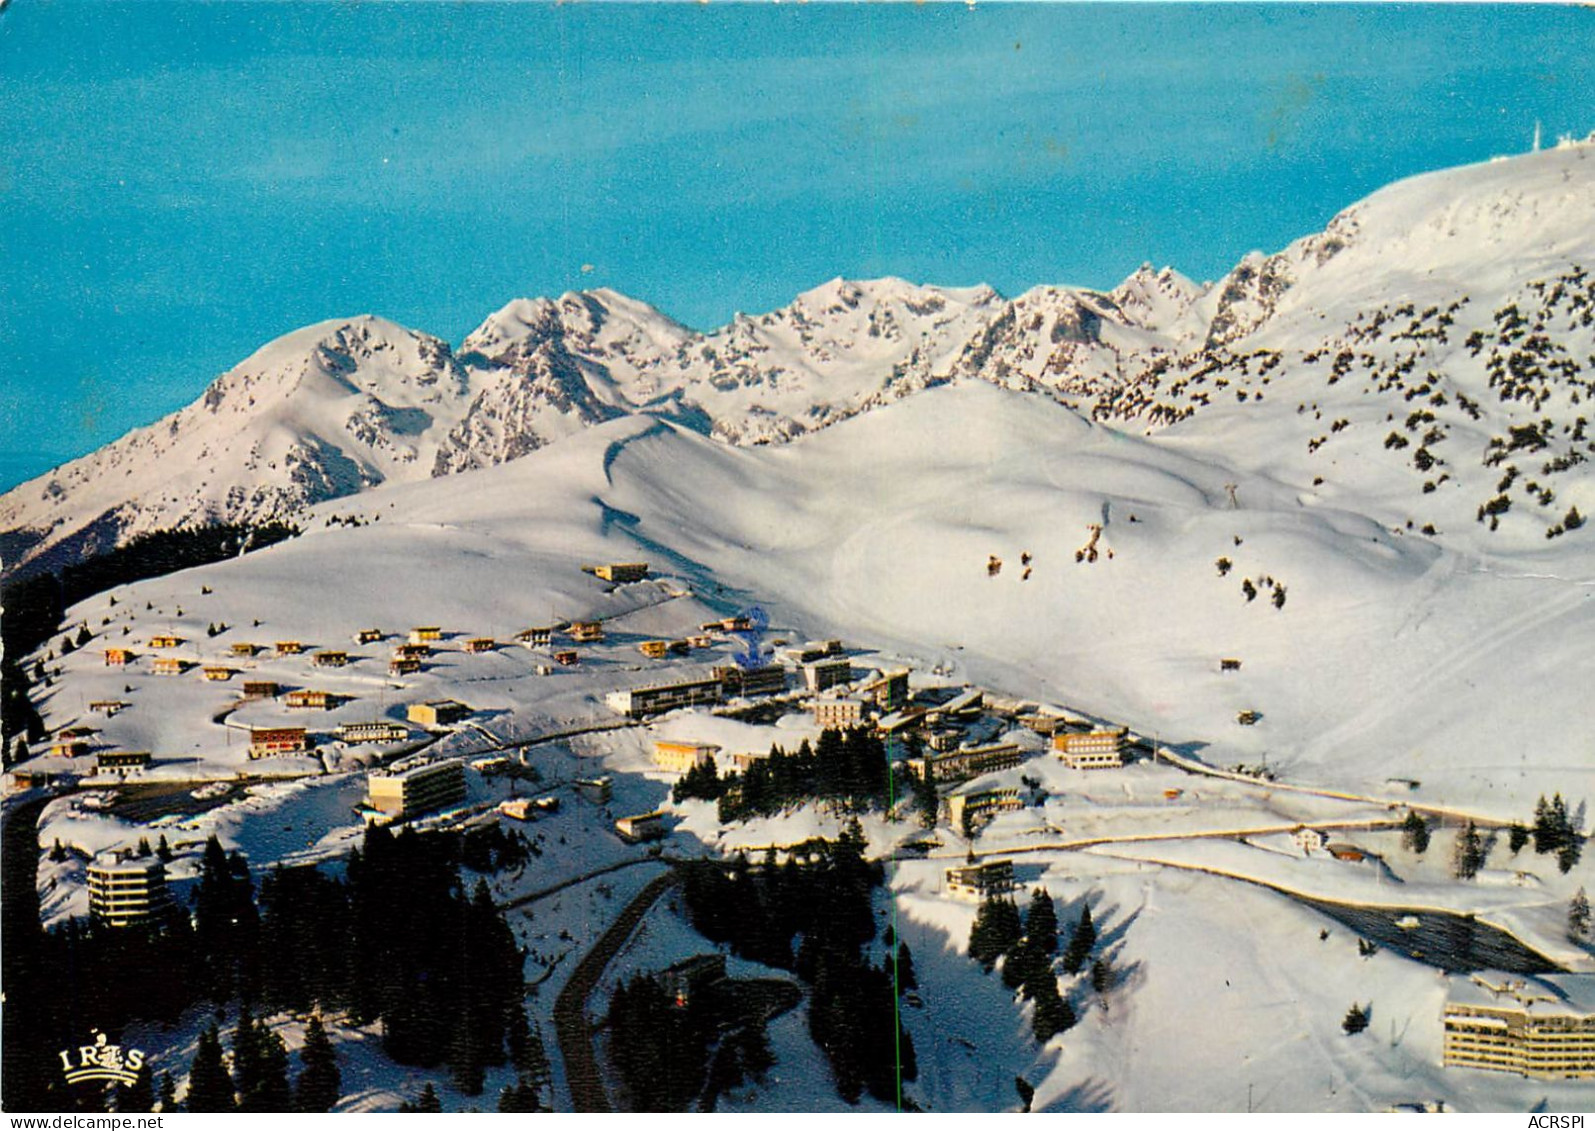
{"type": "Point", "coordinates": [1423, 359]}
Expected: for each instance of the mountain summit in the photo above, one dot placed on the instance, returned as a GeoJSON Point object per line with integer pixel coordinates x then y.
{"type": "Point", "coordinates": [1424, 355]}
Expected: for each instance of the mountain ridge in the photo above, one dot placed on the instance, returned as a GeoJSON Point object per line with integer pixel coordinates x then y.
{"type": "Point", "coordinates": [345, 405]}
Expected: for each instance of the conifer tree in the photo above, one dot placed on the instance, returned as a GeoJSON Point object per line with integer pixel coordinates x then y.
{"type": "Point", "coordinates": [1578, 916]}
{"type": "Point", "coordinates": [137, 1096]}
{"type": "Point", "coordinates": [1415, 833]}
{"type": "Point", "coordinates": [320, 1082]}
{"type": "Point", "coordinates": [1041, 922]}
{"type": "Point", "coordinates": [996, 930]}
{"type": "Point", "coordinates": [1568, 854]}
{"type": "Point", "coordinates": [1516, 837]}
{"type": "Point", "coordinates": [210, 1089]}
{"type": "Point", "coordinates": [1101, 976]}
{"type": "Point", "coordinates": [1355, 1021]}
{"type": "Point", "coordinates": [906, 978]}
{"type": "Point", "coordinates": [1080, 943]}
{"type": "Point", "coordinates": [926, 799]}
{"type": "Point", "coordinates": [270, 1092]}
{"type": "Point", "coordinates": [429, 1101]}
{"type": "Point", "coordinates": [166, 1092]}
{"type": "Point", "coordinates": [1052, 1014]}
{"type": "Point", "coordinates": [1468, 856]}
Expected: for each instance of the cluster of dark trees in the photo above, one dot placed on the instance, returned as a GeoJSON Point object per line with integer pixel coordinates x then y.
{"type": "Point", "coordinates": [398, 941]}
{"type": "Point", "coordinates": [1470, 853]}
{"type": "Point", "coordinates": [35, 604]}
{"type": "Point", "coordinates": [258, 1081]}
{"type": "Point", "coordinates": [1028, 948]}
{"type": "Point", "coordinates": [1553, 831]}
{"type": "Point", "coordinates": [814, 915]}
{"type": "Point", "coordinates": [847, 767]}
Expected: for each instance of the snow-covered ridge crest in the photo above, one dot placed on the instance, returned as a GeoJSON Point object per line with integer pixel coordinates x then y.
{"type": "Point", "coordinates": [342, 406]}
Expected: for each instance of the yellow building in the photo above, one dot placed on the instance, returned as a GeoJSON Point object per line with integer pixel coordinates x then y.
{"type": "Point", "coordinates": [1542, 1028]}
{"type": "Point", "coordinates": [993, 877]}
{"type": "Point", "coordinates": [679, 757]}
{"type": "Point", "coordinates": [165, 641]}
{"type": "Point", "coordinates": [1094, 750]}
{"type": "Point", "coordinates": [417, 789]}
{"type": "Point", "coordinates": [980, 805]}
{"type": "Point", "coordinates": [587, 631]}
{"type": "Point", "coordinates": [480, 644]}
{"type": "Point", "coordinates": [218, 674]}
{"type": "Point", "coordinates": [426, 634]}
{"type": "Point", "coordinates": [837, 714]}
{"type": "Point", "coordinates": [620, 573]}
{"type": "Point", "coordinates": [289, 647]}
{"type": "Point", "coordinates": [167, 665]}
{"type": "Point", "coordinates": [437, 712]}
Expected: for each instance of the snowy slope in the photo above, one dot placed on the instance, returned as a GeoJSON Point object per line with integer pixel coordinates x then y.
{"type": "Point", "coordinates": [1397, 361]}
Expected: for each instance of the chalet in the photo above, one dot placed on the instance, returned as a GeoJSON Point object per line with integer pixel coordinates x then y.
{"type": "Point", "coordinates": [260, 689]}
{"type": "Point", "coordinates": [1229, 665]}
{"type": "Point", "coordinates": [587, 631]}
{"type": "Point", "coordinates": [437, 712]}
{"type": "Point", "coordinates": [266, 742]}
{"type": "Point", "coordinates": [729, 624]}
{"type": "Point", "coordinates": [620, 573]}
{"type": "Point", "coordinates": [1309, 841]}
{"type": "Point", "coordinates": [76, 732]}
{"type": "Point", "coordinates": [289, 647]}
{"type": "Point", "coordinates": [993, 877]}
{"type": "Point", "coordinates": [426, 634]}
{"type": "Point", "coordinates": [123, 759]}
{"type": "Point", "coordinates": [979, 805]}
{"type": "Point", "coordinates": [679, 647]}
{"type": "Point", "coordinates": [478, 644]}
{"type": "Point", "coordinates": [818, 675]}
{"type": "Point", "coordinates": [679, 757]}
{"type": "Point", "coordinates": [218, 674]}
{"type": "Point", "coordinates": [329, 659]}
{"type": "Point", "coordinates": [888, 692]}
{"type": "Point", "coordinates": [377, 731]}
{"type": "Point", "coordinates": [837, 714]}
{"type": "Point", "coordinates": [596, 790]}
{"type": "Point", "coordinates": [118, 657]}
{"type": "Point", "coordinates": [660, 697]}
{"type": "Point", "coordinates": [107, 706]}
{"type": "Point", "coordinates": [969, 762]}
{"type": "Point", "coordinates": [698, 640]}
{"type": "Point", "coordinates": [413, 651]}
{"type": "Point", "coordinates": [817, 650]}
{"type": "Point", "coordinates": [1093, 750]}
{"type": "Point", "coordinates": [535, 637]}
{"type": "Point", "coordinates": [368, 636]}
{"type": "Point", "coordinates": [168, 665]}
{"type": "Point", "coordinates": [736, 680]}
{"type": "Point", "coordinates": [69, 746]}
{"type": "Point", "coordinates": [403, 665]}
{"type": "Point", "coordinates": [643, 826]}
{"type": "Point", "coordinates": [416, 788]}
{"type": "Point", "coordinates": [166, 640]}
{"type": "Point", "coordinates": [567, 659]}
{"type": "Point", "coordinates": [244, 650]}
{"type": "Point", "coordinates": [313, 700]}
{"type": "Point", "coordinates": [654, 649]}
{"type": "Point", "coordinates": [690, 976]}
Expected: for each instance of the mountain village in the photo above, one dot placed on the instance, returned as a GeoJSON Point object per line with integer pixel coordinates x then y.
{"type": "Point", "coordinates": [978, 642]}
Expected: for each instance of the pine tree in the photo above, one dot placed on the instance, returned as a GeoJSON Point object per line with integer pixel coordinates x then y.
{"type": "Point", "coordinates": [1415, 833]}
{"type": "Point", "coordinates": [1355, 1021]}
{"type": "Point", "coordinates": [996, 930]}
{"type": "Point", "coordinates": [1052, 1014]}
{"type": "Point", "coordinates": [210, 1089]}
{"type": "Point", "coordinates": [164, 850]}
{"type": "Point", "coordinates": [925, 797]}
{"type": "Point", "coordinates": [1468, 855]}
{"type": "Point", "coordinates": [429, 1101]}
{"type": "Point", "coordinates": [144, 848]}
{"type": "Point", "coordinates": [247, 1061]}
{"type": "Point", "coordinates": [1041, 923]}
{"type": "Point", "coordinates": [84, 636]}
{"type": "Point", "coordinates": [1569, 853]}
{"type": "Point", "coordinates": [1545, 837]}
{"type": "Point", "coordinates": [1080, 943]}
{"type": "Point", "coordinates": [1101, 976]}
{"type": "Point", "coordinates": [137, 1096]}
{"type": "Point", "coordinates": [1516, 837]}
{"type": "Point", "coordinates": [906, 978]}
{"type": "Point", "coordinates": [167, 1093]}
{"type": "Point", "coordinates": [1578, 916]}
{"type": "Point", "coordinates": [320, 1082]}
{"type": "Point", "coordinates": [270, 1092]}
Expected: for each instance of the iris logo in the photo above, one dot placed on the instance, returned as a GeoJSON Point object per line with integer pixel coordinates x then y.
{"type": "Point", "coordinates": [101, 1061]}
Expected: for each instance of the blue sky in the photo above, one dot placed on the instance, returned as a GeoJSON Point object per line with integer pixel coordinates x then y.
{"type": "Point", "coordinates": [184, 182]}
